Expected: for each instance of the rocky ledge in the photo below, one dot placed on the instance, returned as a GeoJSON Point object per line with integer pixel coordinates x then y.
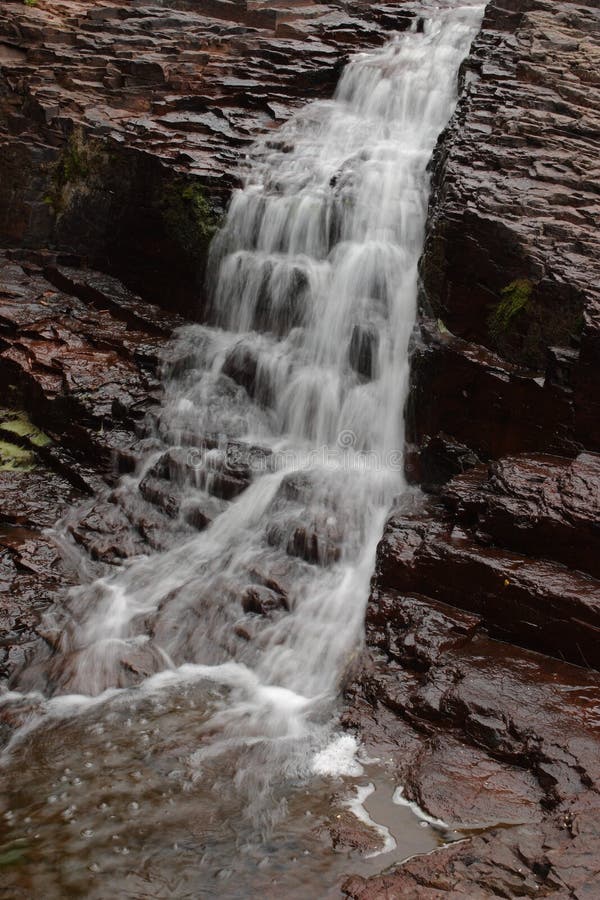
{"type": "Point", "coordinates": [511, 269]}
{"type": "Point", "coordinates": [122, 124]}
{"type": "Point", "coordinates": [80, 354]}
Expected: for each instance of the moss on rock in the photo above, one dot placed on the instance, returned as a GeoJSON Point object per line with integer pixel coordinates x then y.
{"type": "Point", "coordinates": [80, 162]}
{"type": "Point", "coordinates": [19, 439]}
{"type": "Point", "coordinates": [188, 217]}
{"type": "Point", "coordinates": [515, 300]}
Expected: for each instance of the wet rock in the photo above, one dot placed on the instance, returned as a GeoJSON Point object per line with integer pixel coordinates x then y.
{"type": "Point", "coordinates": [73, 364]}
{"type": "Point", "coordinates": [511, 206]}
{"type": "Point", "coordinates": [279, 574]}
{"type": "Point", "coordinates": [241, 365]}
{"type": "Point", "coordinates": [107, 293]}
{"type": "Point", "coordinates": [263, 601]}
{"type": "Point", "coordinates": [362, 353]}
{"type": "Point", "coordinates": [531, 602]}
{"type": "Point", "coordinates": [437, 459]}
{"type": "Point", "coordinates": [315, 542]}
{"type": "Point", "coordinates": [123, 128]}
{"type": "Point", "coordinates": [542, 506]}
{"type": "Point", "coordinates": [347, 832]}
{"type": "Point", "coordinates": [511, 256]}
{"type": "Point", "coordinates": [481, 734]}
{"type": "Point", "coordinates": [199, 513]}
{"type": "Point", "coordinates": [474, 398]}
{"type": "Point", "coordinates": [34, 499]}
{"type": "Point", "coordinates": [106, 533]}
{"type": "Point", "coordinates": [33, 571]}
{"type": "Point", "coordinates": [33, 575]}
{"type": "Point", "coordinates": [159, 493]}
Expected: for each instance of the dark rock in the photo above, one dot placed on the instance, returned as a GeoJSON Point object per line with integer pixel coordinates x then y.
{"type": "Point", "coordinates": [511, 203]}
{"type": "Point", "coordinates": [362, 353]}
{"type": "Point", "coordinates": [263, 601]}
{"type": "Point", "coordinates": [241, 365]}
{"type": "Point", "coordinates": [474, 398]}
{"type": "Point", "coordinates": [511, 257]}
{"type": "Point", "coordinates": [437, 460]}
{"type": "Point", "coordinates": [531, 602]}
{"type": "Point", "coordinates": [106, 533]}
{"type": "Point", "coordinates": [129, 162]}
{"type": "Point", "coordinates": [481, 734]}
{"type": "Point", "coordinates": [542, 506]}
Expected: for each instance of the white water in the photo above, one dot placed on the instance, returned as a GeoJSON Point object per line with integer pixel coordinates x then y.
{"type": "Point", "coordinates": [316, 280]}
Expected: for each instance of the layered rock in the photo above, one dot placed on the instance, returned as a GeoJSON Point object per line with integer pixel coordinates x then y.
{"type": "Point", "coordinates": [512, 260]}
{"type": "Point", "coordinates": [494, 740]}
{"type": "Point", "coordinates": [81, 353]}
{"type": "Point", "coordinates": [122, 126]}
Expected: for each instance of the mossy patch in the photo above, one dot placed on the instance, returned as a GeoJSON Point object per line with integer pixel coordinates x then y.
{"type": "Point", "coordinates": [79, 163]}
{"type": "Point", "coordinates": [189, 219]}
{"type": "Point", "coordinates": [14, 457]}
{"type": "Point", "coordinates": [19, 453]}
{"type": "Point", "coordinates": [19, 424]}
{"type": "Point", "coordinates": [516, 297]}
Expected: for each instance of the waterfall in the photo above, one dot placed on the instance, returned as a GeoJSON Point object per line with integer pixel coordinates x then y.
{"type": "Point", "coordinates": [299, 382]}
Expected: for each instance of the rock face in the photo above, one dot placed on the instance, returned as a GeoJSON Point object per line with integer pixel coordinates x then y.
{"type": "Point", "coordinates": [481, 734]}
{"type": "Point", "coordinates": [512, 261]}
{"type": "Point", "coordinates": [81, 353]}
{"type": "Point", "coordinates": [499, 558]}
{"type": "Point", "coordinates": [122, 124]}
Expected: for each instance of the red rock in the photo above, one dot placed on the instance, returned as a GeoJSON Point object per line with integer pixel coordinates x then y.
{"type": "Point", "coordinates": [451, 709]}
{"type": "Point", "coordinates": [531, 602]}
{"type": "Point", "coordinates": [481, 402]}
{"type": "Point", "coordinates": [543, 506]}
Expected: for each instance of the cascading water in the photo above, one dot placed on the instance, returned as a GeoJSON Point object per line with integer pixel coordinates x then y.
{"type": "Point", "coordinates": [300, 383]}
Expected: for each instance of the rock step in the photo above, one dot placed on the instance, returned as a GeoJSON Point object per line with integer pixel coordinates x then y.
{"type": "Point", "coordinates": [530, 602]}
{"type": "Point", "coordinates": [105, 292]}
{"type": "Point", "coordinates": [79, 366]}
{"type": "Point", "coordinates": [523, 413]}
{"type": "Point", "coordinates": [542, 506]}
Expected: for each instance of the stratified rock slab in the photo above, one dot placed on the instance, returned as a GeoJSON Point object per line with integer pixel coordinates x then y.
{"type": "Point", "coordinates": [547, 507]}
{"type": "Point", "coordinates": [123, 124]}
{"type": "Point", "coordinates": [512, 257]}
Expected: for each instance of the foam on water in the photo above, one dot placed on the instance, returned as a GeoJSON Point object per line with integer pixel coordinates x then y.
{"type": "Point", "coordinates": [338, 758]}
{"type": "Point", "coordinates": [400, 800]}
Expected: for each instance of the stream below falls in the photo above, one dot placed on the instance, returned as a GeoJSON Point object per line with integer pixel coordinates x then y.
{"type": "Point", "coordinates": [222, 771]}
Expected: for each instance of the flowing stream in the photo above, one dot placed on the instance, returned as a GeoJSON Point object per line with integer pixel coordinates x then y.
{"type": "Point", "coordinates": [283, 428]}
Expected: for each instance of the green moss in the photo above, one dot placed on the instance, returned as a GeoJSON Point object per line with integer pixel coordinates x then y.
{"type": "Point", "coordinates": [78, 163]}
{"type": "Point", "coordinates": [188, 217]}
{"type": "Point", "coordinates": [30, 2]}
{"type": "Point", "coordinates": [14, 457]}
{"type": "Point", "coordinates": [22, 427]}
{"type": "Point", "coordinates": [515, 300]}
{"type": "Point", "coordinates": [20, 453]}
